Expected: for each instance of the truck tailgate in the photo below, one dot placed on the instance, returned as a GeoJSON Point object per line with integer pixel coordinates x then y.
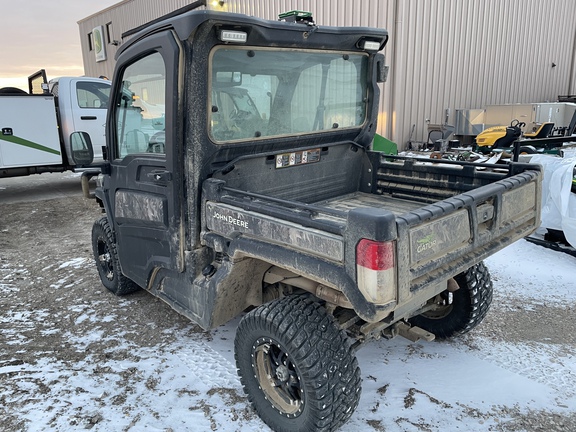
{"type": "Point", "coordinates": [449, 236]}
{"type": "Point", "coordinates": [449, 217]}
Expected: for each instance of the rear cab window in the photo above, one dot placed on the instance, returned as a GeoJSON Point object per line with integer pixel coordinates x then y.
{"type": "Point", "coordinates": [258, 93]}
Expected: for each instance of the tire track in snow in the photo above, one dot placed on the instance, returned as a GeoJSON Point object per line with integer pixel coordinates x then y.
{"type": "Point", "coordinates": [209, 366]}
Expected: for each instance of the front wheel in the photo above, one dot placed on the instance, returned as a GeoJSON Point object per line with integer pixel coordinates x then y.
{"type": "Point", "coordinates": [106, 257]}
{"type": "Point", "coordinates": [297, 366]}
{"type": "Point", "coordinates": [458, 312]}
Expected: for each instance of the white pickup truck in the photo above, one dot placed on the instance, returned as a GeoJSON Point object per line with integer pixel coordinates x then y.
{"type": "Point", "coordinates": [39, 129]}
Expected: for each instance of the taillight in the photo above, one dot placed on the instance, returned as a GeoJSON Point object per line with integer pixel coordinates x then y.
{"type": "Point", "coordinates": [375, 255]}
{"type": "Point", "coordinates": [376, 270]}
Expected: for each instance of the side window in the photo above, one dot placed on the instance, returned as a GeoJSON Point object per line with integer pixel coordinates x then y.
{"type": "Point", "coordinates": [92, 95]}
{"type": "Point", "coordinates": [141, 108]}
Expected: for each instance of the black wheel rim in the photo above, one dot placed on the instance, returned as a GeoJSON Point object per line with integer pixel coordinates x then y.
{"type": "Point", "coordinates": [278, 377]}
{"type": "Point", "coordinates": [104, 259]}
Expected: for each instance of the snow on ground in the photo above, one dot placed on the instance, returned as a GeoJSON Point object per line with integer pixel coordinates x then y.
{"type": "Point", "coordinates": [472, 383]}
{"type": "Point", "coordinates": [534, 273]}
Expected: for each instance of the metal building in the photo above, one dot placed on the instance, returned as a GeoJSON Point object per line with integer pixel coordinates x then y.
{"type": "Point", "coordinates": [444, 55]}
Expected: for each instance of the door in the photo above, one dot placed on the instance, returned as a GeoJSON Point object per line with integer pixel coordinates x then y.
{"type": "Point", "coordinates": [145, 181]}
{"type": "Point", "coordinates": [89, 107]}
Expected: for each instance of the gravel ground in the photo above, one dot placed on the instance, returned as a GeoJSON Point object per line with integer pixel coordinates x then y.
{"type": "Point", "coordinates": [60, 328]}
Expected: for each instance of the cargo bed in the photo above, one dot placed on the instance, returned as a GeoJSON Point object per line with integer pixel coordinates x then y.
{"type": "Point", "coordinates": [345, 203]}
{"type": "Point", "coordinates": [444, 217]}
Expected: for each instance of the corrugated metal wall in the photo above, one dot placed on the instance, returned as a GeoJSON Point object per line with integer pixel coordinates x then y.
{"type": "Point", "coordinates": [123, 16]}
{"type": "Point", "coordinates": [443, 54]}
{"type": "Point", "coordinates": [468, 54]}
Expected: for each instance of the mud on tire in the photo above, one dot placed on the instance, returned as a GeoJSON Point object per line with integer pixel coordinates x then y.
{"type": "Point", "coordinates": [106, 257]}
{"type": "Point", "coordinates": [297, 366]}
{"type": "Point", "coordinates": [468, 307]}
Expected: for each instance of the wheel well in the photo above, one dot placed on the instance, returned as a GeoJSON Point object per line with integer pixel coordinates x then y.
{"type": "Point", "coordinates": [278, 277]}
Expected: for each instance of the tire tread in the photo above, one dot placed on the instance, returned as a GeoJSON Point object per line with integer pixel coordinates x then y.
{"type": "Point", "coordinates": [120, 285]}
{"type": "Point", "coordinates": [477, 285]}
{"type": "Point", "coordinates": [321, 350]}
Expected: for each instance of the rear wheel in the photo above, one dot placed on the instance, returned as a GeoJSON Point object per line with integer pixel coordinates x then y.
{"type": "Point", "coordinates": [297, 366]}
{"type": "Point", "coordinates": [458, 312]}
{"type": "Point", "coordinates": [106, 257]}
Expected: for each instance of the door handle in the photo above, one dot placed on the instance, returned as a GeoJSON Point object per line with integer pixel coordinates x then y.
{"type": "Point", "coordinates": [160, 176]}
{"type": "Point", "coordinates": [88, 117]}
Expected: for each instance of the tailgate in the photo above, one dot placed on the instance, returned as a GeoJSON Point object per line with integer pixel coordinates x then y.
{"type": "Point", "coordinates": [443, 239]}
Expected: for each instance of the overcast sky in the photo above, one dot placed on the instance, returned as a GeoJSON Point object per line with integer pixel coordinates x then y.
{"type": "Point", "coordinates": [39, 34]}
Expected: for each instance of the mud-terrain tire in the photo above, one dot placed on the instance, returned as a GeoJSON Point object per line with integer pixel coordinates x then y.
{"type": "Point", "coordinates": [468, 308]}
{"type": "Point", "coordinates": [297, 366]}
{"type": "Point", "coordinates": [106, 257]}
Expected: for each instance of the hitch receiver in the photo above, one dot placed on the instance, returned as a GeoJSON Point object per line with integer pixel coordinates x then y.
{"type": "Point", "coordinates": [413, 333]}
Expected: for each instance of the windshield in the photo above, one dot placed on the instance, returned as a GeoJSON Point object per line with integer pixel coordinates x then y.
{"type": "Point", "coordinates": [262, 92]}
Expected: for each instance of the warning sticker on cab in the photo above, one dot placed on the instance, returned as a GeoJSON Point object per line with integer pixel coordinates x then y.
{"type": "Point", "coordinates": [297, 158]}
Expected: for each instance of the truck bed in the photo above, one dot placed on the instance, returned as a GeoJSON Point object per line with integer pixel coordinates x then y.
{"type": "Point", "coordinates": [442, 218]}
{"type": "Point", "coordinates": [354, 200]}
{"type": "Point", "coordinates": [464, 213]}
{"type": "Point", "coordinates": [321, 195]}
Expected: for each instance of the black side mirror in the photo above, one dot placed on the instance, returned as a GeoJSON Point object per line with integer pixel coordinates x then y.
{"type": "Point", "coordinates": [381, 68]}
{"type": "Point", "coordinates": [82, 153]}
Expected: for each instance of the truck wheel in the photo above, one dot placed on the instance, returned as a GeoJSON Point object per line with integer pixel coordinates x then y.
{"type": "Point", "coordinates": [466, 309]}
{"type": "Point", "coordinates": [106, 257]}
{"type": "Point", "coordinates": [297, 366]}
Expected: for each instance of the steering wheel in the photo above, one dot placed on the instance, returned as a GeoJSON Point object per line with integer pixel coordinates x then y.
{"type": "Point", "coordinates": [157, 143]}
{"type": "Point", "coordinates": [517, 123]}
{"type": "Point", "coordinates": [238, 115]}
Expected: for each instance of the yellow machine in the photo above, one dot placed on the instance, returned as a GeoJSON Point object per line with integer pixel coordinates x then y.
{"type": "Point", "coordinates": [504, 137]}
{"type": "Point", "coordinates": [499, 136]}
